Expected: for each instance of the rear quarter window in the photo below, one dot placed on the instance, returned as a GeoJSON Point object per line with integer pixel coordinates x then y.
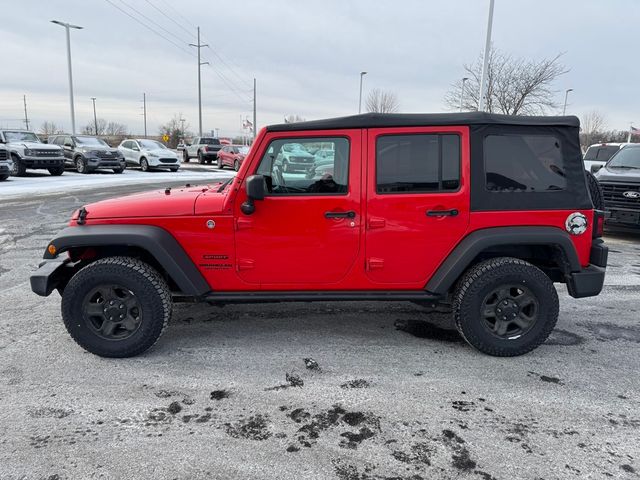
{"type": "Point", "coordinates": [523, 163]}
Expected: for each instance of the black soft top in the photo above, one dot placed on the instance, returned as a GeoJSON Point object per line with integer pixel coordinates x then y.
{"type": "Point", "coordinates": [376, 120]}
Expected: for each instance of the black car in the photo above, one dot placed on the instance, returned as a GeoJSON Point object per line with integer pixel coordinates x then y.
{"type": "Point", "coordinates": [620, 182]}
{"type": "Point", "coordinates": [86, 153]}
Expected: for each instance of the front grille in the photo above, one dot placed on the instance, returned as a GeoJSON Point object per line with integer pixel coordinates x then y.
{"type": "Point", "coordinates": [38, 152]}
{"type": "Point", "coordinates": [614, 195]}
{"type": "Point", "coordinates": [4, 155]}
{"type": "Point", "coordinates": [301, 159]}
{"type": "Point", "coordinates": [105, 154]}
{"type": "Point", "coordinates": [168, 160]}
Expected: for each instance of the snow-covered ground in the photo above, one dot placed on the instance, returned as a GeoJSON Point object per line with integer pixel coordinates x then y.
{"type": "Point", "coordinates": [38, 182]}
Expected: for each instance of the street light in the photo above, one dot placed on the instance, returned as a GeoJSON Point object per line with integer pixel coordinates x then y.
{"type": "Point", "coordinates": [566, 95]}
{"type": "Point", "coordinates": [464, 80]}
{"type": "Point", "coordinates": [485, 60]}
{"type": "Point", "coordinates": [362, 74]}
{"type": "Point", "coordinates": [95, 119]}
{"type": "Point", "coordinates": [67, 26]}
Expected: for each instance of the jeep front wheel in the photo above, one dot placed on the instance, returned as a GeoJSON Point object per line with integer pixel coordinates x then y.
{"type": "Point", "coordinates": [505, 307]}
{"type": "Point", "coordinates": [116, 307]}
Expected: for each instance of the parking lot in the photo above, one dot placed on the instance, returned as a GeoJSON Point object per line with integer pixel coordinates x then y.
{"type": "Point", "coordinates": [322, 390]}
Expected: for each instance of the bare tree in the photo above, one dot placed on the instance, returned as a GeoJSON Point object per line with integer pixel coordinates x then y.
{"type": "Point", "coordinates": [515, 86]}
{"type": "Point", "coordinates": [294, 118]}
{"type": "Point", "coordinates": [173, 128]}
{"type": "Point", "coordinates": [593, 128]}
{"type": "Point", "coordinates": [381, 101]}
{"type": "Point", "coordinates": [50, 128]}
{"type": "Point", "coordinates": [115, 129]}
{"type": "Point", "coordinates": [90, 128]}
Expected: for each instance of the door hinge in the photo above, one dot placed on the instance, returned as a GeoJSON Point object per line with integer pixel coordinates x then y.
{"type": "Point", "coordinates": [375, 222]}
{"type": "Point", "coordinates": [375, 263]}
{"type": "Point", "coordinates": [245, 264]}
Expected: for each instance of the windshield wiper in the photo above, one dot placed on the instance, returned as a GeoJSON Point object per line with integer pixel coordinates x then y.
{"type": "Point", "coordinates": [224, 185]}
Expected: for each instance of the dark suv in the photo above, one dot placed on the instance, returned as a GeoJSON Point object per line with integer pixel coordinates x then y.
{"type": "Point", "coordinates": [476, 213]}
{"type": "Point", "coordinates": [620, 182]}
{"type": "Point", "coordinates": [86, 153]}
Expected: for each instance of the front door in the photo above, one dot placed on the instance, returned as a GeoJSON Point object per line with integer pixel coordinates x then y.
{"type": "Point", "coordinates": [417, 201]}
{"type": "Point", "coordinates": [306, 232]}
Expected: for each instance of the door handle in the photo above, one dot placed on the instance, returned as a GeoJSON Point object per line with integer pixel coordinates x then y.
{"type": "Point", "coordinates": [348, 214]}
{"type": "Point", "coordinates": [442, 213]}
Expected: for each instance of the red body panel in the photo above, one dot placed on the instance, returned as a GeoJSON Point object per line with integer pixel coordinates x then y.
{"type": "Point", "coordinates": [288, 244]}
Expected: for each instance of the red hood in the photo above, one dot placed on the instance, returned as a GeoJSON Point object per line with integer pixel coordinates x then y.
{"type": "Point", "coordinates": [157, 203]}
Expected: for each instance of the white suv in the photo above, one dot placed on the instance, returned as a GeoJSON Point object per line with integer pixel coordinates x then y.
{"type": "Point", "coordinates": [149, 154]}
{"type": "Point", "coordinates": [27, 151]}
{"type": "Point", "coordinates": [598, 154]}
{"type": "Point", "coordinates": [6, 164]}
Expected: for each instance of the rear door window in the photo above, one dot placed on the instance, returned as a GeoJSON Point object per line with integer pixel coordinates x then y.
{"type": "Point", "coordinates": [417, 163]}
{"type": "Point", "coordinates": [523, 163]}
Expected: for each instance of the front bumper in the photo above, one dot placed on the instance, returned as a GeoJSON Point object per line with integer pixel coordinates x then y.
{"type": "Point", "coordinates": [4, 169]}
{"type": "Point", "coordinates": [51, 274]}
{"type": "Point", "coordinates": [623, 217]}
{"type": "Point", "coordinates": [589, 281]}
{"type": "Point", "coordinates": [42, 162]}
{"type": "Point", "coordinates": [95, 162]}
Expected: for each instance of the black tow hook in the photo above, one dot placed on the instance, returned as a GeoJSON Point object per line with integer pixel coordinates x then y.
{"type": "Point", "coordinates": [167, 191]}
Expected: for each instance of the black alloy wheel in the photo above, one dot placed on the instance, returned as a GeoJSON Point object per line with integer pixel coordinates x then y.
{"type": "Point", "coordinates": [112, 312]}
{"type": "Point", "coordinates": [509, 311]}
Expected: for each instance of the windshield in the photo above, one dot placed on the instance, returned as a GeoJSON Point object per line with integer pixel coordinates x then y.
{"type": "Point", "coordinates": [10, 136]}
{"type": "Point", "coordinates": [602, 153]}
{"type": "Point", "coordinates": [151, 144]}
{"type": "Point", "coordinates": [626, 158]}
{"type": "Point", "coordinates": [91, 141]}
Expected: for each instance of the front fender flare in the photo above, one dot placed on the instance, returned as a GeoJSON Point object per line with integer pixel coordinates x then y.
{"type": "Point", "coordinates": [158, 242]}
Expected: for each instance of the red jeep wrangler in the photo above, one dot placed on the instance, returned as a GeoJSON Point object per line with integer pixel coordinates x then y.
{"type": "Point", "coordinates": [479, 212]}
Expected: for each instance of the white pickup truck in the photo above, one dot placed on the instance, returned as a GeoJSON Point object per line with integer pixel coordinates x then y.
{"type": "Point", "coordinates": [205, 149]}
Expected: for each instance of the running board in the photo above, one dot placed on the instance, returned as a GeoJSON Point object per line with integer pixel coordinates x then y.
{"type": "Point", "coordinates": [320, 296]}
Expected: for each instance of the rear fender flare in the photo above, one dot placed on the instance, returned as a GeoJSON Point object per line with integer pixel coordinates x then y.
{"type": "Point", "coordinates": [480, 240]}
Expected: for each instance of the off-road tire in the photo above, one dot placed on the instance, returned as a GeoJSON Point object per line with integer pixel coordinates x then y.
{"type": "Point", "coordinates": [138, 277]}
{"type": "Point", "coordinates": [18, 170]}
{"type": "Point", "coordinates": [185, 156]}
{"type": "Point", "coordinates": [3, 177]}
{"type": "Point", "coordinates": [200, 158]}
{"type": "Point", "coordinates": [56, 171]}
{"type": "Point", "coordinates": [479, 281]}
{"type": "Point", "coordinates": [595, 190]}
{"type": "Point", "coordinates": [144, 164]}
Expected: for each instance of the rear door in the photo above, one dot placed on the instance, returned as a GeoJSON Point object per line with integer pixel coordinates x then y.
{"type": "Point", "coordinates": [417, 201]}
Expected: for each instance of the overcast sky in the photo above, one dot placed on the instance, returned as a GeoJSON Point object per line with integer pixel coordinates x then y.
{"type": "Point", "coordinates": [306, 56]}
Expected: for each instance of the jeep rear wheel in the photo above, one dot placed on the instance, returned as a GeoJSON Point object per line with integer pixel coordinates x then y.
{"type": "Point", "coordinates": [505, 307]}
{"type": "Point", "coordinates": [116, 307]}
{"type": "Point", "coordinates": [18, 169]}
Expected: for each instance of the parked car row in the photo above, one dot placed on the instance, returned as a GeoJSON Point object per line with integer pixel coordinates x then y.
{"type": "Point", "coordinates": [22, 149]}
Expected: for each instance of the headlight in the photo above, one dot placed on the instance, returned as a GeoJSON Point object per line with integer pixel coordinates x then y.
{"type": "Point", "coordinates": [153, 155]}
{"type": "Point", "coordinates": [27, 152]}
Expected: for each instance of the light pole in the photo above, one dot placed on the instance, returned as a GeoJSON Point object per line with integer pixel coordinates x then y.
{"type": "Point", "coordinates": [485, 59]}
{"type": "Point", "coordinates": [362, 74]}
{"type": "Point", "coordinates": [95, 119]}
{"type": "Point", "coordinates": [199, 46]}
{"type": "Point", "coordinates": [67, 26]}
{"type": "Point", "coordinates": [464, 80]}
{"type": "Point", "coordinates": [566, 95]}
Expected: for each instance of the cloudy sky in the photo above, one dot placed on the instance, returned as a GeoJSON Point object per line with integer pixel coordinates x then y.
{"type": "Point", "coordinates": [306, 56]}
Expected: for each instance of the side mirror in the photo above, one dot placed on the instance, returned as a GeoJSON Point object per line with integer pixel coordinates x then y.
{"type": "Point", "coordinates": [255, 191]}
{"type": "Point", "coordinates": [68, 145]}
{"type": "Point", "coordinates": [595, 168]}
{"type": "Point", "coordinates": [135, 149]}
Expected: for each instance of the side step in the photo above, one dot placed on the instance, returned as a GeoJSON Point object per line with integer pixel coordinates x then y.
{"type": "Point", "coordinates": [320, 296]}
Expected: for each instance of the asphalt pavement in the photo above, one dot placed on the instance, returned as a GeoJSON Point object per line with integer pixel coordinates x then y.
{"type": "Point", "coordinates": [346, 391]}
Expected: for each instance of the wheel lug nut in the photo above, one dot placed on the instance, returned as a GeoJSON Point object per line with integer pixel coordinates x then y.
{"type": "Point", "coordinates": [111, 302]}
{"type": "Point", "coordinates": [121, 306]}
{"type": "Point", "coordinates": [121, 316]}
